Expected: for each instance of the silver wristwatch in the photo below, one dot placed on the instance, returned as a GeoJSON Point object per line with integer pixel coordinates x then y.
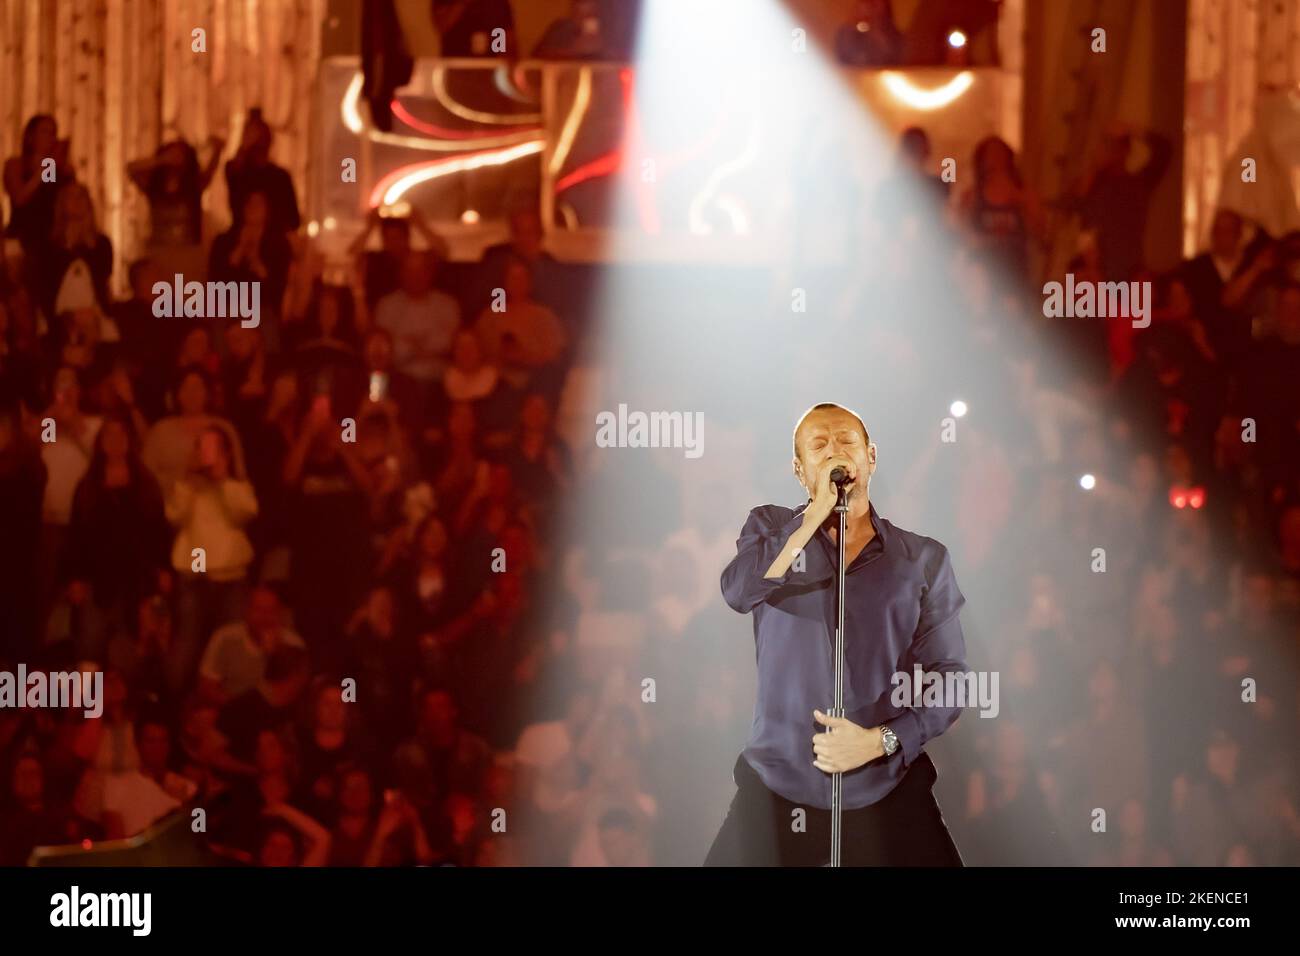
{"type": "Point", "coordinates": [888, 740]}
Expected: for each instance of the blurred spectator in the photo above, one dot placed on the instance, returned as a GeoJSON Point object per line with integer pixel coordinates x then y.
{"type": "Point", "coordinates": [380, 654]}
{"type": "Point", "coordinates": [911, 179]}
{"type": "Point", "coordinates": [525, 245]}
{"type": "Point", "coordinates": [153, 742]}
{"type": "Point", "coordinates": [536, 458]}
{"type": "Point", "coordinates": [381, 270]}
{"type": "Point", "coordinates": [1114, 201]}
{"type": "Point", "coordinates": [1208, 274]}
{"type": "Point", "coordinates": [1002, 213]}
{"type": "Point", "coordinates": [524, 338]}
{"type": "Point", "coordinates": [211, 556]}
{"type": "Point", "coordinates": [74, 266]}
{"type": "Point", "coordinates": [441, 758]}
{"type": "Point", "coordinates": [67, 459]}
{"type": "Point", "coordinates": [169, 446]}
{"type": "Point", "coordinates": [234, 661]}
{"type": "Point", "coordinates": [1269, 372]}
{"type": "Point", "coordinates": [250, 170]}
{"type": "Point", "coordinates": [472, 379]}
{"type": "Point", "coordinates": [28, 819]}
{"type": "Point", "coordinates": [149, 344]}
{"type": "Point", "coordinates": [173, 182]}
{"type": "Point", "coordinates": [118, 540]}
{"type": "Point", "coordinates": [582, 35]}
{"type": "Point", "coordinates": [22, 489]}
{"type": "Point", "coordinates": [618, 816]}
{"type": "Point", "coordinates": [32, 186]}
{"type": "Point", "coordinates": [469, 27]}
{"type": "Point", "coordinates": [871, 37]}
{"type": "Point", "coordinates": [253, 251]}
{"type": "Point", "coordinates": [328, 525]}
{"type": "Point", "coordinates": [383, 381]}
{"type": "Point", "coordinates": [420, 319]}
{"type": "Point", "coordinates": [1211, 811]}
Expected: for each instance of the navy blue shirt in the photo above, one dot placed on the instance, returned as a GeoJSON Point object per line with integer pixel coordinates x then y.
{"type": "Point", "coordinates": [901, 611]}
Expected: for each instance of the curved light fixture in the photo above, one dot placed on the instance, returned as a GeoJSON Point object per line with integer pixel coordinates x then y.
{"type": "Point", "coordinates": [391, 188]}
{"type": "Point", "coordinates": [475, 116]}
{"type": "Point", "coordinates": [903, 90]}
{"type": "Point", "coordinates": [734, 210]}
{"type": "Point", "coordinates": [577, 112]}
{"type": "Point", "coordinates": [508, 84]}
{"type": "Point", "coordinates": [698, 224]}
{"type": "Point", "coordinates": [444, 132]}
{"type": "Point", "coordinates": [570, 216]}
{"type": "Point", "coordinates": [351, 116]}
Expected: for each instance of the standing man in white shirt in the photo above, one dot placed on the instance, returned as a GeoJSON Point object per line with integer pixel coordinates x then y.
{"type": "Point", "coordinates": [422, 320]}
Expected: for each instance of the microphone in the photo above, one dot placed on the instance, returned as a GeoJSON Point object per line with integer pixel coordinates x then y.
{"type": "Point", "coordinates": [839, 475]}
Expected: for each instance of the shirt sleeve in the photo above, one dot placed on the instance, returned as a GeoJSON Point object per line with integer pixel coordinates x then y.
{"type": "Point", "coordinates": [938, 646]}
{"type": "Point", "coordinates": [179, 504]}
{"type": "Point", "coordinates": [238, 500]}
{"type": "Point", "coordinates": [210, 665]}
{"type": "Point", "coordinates": [761, 540]}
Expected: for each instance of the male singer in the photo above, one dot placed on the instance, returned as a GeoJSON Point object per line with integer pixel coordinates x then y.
{"type": "Point", "coordinates": [901, 610]}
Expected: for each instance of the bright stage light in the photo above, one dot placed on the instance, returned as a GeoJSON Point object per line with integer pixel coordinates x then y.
{"type": "Point", "coordinates": [1088, 482]}
{"type": "Point", "coordinates": [752, 132]}
{"type": "Point", "coordinates": [956, 39]}
{"type": "Point", "coordinates": [903, 90]}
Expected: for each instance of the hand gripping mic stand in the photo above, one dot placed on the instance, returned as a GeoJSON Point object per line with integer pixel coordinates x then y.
{"type": "Point", "coordinates": [837, 781]}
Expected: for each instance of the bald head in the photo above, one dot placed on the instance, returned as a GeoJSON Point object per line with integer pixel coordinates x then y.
{"type": "Point", "coordinates": [827, 435]}
{"type": "Point", "coordinates": [820, 412]}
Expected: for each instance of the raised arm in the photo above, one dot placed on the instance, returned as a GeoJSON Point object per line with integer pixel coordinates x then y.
{"type": "Point", "coordinates": [140, 170]}
{"type": "Point", "coordinates": [19, 190]}
{"type": "Point", "coordinates": [218, 146]}
{"type": "Point", "coordinates": [237, 500]}
{"type": "Point", "coordinates": [766, 554]}
{"type": "Point", "coordinates": [317, 837]}
{"type": "Point", "coordinates": [358, 245]}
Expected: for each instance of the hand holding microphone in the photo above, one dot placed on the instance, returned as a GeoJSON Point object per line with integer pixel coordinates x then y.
{"type": "Point", "coordinates": [836, 470]}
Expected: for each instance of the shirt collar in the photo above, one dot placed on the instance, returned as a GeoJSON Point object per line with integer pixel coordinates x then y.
{"type": "Point", "coordinates": [878, 524]}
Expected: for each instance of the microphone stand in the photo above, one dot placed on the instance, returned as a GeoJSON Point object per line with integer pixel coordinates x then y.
{"type": "Point", "coordinates": [837, 782]}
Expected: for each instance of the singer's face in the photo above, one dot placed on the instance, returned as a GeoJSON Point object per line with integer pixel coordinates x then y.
{"type": "Point", "coordinates": [827, 437]}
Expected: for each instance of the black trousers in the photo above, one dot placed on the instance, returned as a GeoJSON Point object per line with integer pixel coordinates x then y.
{"type": "Point", "coordinates": [906, 828]}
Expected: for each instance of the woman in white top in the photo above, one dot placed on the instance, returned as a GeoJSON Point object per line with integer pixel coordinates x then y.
{"type": "Point", "coordinates": [169, 446]}
{"type": "Point", "coordinates": [67, 445]}
{"type": "Point", "coordinates": [210, 507]}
